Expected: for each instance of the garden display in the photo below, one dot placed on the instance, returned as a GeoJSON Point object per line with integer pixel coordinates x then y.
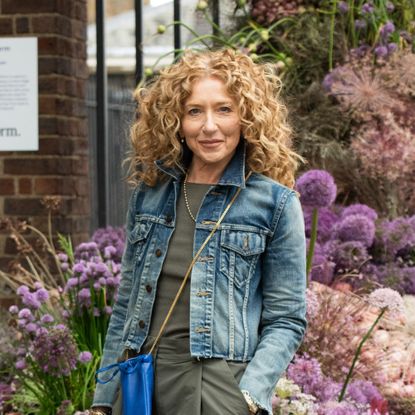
{"type": "Point", "coordinates": [348, 79]}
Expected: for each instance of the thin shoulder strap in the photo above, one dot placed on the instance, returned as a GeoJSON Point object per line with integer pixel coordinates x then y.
{"type": "Point", "coordinates": [189, 270]}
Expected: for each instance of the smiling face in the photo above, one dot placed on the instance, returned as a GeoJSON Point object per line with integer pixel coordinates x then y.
{"type": "Point", "coordinates": [211, 127]}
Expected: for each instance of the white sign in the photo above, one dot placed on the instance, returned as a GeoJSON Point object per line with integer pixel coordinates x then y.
{"type": "Point", "coordinates": [19, 129]}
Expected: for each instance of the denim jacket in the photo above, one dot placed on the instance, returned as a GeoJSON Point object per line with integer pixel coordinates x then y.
{"type": "Point", "coordinates": [247, 288]}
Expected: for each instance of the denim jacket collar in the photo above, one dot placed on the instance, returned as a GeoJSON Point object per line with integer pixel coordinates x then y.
{"type": "Point", "coordinates": [234, 174]}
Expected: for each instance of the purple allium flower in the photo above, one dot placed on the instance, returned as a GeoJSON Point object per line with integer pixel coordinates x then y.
{"type": "Point", "coordinates": [47, 318]}
{"type": "Point", "coordinates": [343, 7]}
{"type": "Point", "coordinates": [322, 270]}
{"type": "Point", "coordinates": [42, 295]}
{"type": "Point", "coordinates": [62, 257]}
{"type": "Point", "coordinates": [110, 236]}
{"type": "Point", "coordinates": [387, 29]}
{"type": "Point", "coordinates": [83, 246]}
{"type": "Point", "coordinates": [84, 294]}
{"type": "Point", "coordinates": [111, 282]}
{"type": "Point", "coordinates": [21, 322]}
{"type": "Point", "coordinates": [97, 286]}
{"type": "Point", "coordinates": [326, 221]}
{"type": "Point", "coordinates": [55, 351]}
{"type": "Point", "coordinates": [25, 313]}
{"type": "Point", "coordinates": [60, 326]}
{"type": "Point", "coordinates": [409, 280]}
{"type": "Point", "coordinates": [363, 391]}
{"type": "Point", "coordinates": [356, 228]}
{"type": "Point", "coordinates": [361, 51]}
{"type": "Point", "coordinates": [367, 8]}
{"type": "Point", "coordinates": [392, 47]}
{"type": "Point", "coordinates": [389, 275]}
{"type": "Point", "coordinates": [102, 281]}
{"type": "Point", "coordinates": [84, 279]}
{"type": "Point", "coordinates": [31, 327]}
{"type": "Point", "coordinates": [96, 312]}
{"type": "Point", "coordinates": [390, 7]}
{"type": "Point", "coordinates": [108, 310]}
{"type": "Point", "coordinates": [110, 251]}
{"type": "Point", "coordinates": [306, 373]}
{"type": "Point", "coordinates": [64, 266]}
{"type": "Point", "coordinates": [72, 282]}
{"type": "Point", "coordinates": [338, 408]}
{"type": "Point", "coordinates": [79, 268]}
{"type": "Point", "coordinates": [360, 24]}
{"type": "Point", "coordinates": [359, 209]}
{"type": "Point", "coordinates": [66, 314]}
{"type": "Point", "coordinates": [41, 331]}
{"type": "Point", "coordinates": [317, 188]}
{"type": "Point", "coordinates": [348, 256]}
{"type": "Point", "coordinates": [23, 289]}
{"type": "Point", "coordinates": [85, 357]}
{"type": "Point", "coordinates": [38, 285]}
{"type": "Point", "coordinates": [92, 246]}
{"type": "Point", "coordinates": [387, 298]}
{"type": "Point", "coordinates": [381, 51]}
{"type": "Point", "coordinates": [21, 364]}
{"type": "Point", "coordinates": [395, 238]}
{"type": "Point", "coordinates": [13, 309]}
{"type": "Point", "coordinates": [101, 268]}
{"type": "Point", "coordinates": [31, 301]}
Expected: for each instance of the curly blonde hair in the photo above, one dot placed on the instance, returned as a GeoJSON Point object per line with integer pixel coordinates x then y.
{"type": "Point", "coordinates": [255, 87]}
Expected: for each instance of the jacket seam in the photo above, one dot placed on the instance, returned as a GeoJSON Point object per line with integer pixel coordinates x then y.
{"type": "Point", "coordinates": [279, 210]}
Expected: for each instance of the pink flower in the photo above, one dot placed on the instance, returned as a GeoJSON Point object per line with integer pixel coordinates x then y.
{"type": "Point", "coordinates": [23, 289]}
{"type": "Point", "coordinates": [85, 357]}
{"type": "Point", "coordinates": [13, 309]}
{"type": "Point", "coordinates": [25, 313]}
{"type": "Point", "coordinates": [42, 295]}
{"type": "Point", "coordinates": [386, 298]}
{"type": "Point", "coordinates": [47, 318]}
{"type": "Point", "coordinates": [21, 364]}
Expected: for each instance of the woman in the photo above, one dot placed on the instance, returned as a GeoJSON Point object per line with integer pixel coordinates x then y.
{"type": "Point", "coordinates": [204, 123]}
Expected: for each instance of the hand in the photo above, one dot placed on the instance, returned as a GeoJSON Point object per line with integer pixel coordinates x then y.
{"type": "Point", "coordinates": [100, 410]}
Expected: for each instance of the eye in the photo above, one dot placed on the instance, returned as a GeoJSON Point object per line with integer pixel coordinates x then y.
{"type": "Point", "coordinates": [225, 109]}
{"type": "Point", "coordinates": [194, 111]}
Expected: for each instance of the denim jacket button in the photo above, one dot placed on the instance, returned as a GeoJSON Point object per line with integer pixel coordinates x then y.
{"type": "Point", "coordinates": [149, 288]}
{"type": "Point", "coordinates": [169, 218]}
{"type": "Point", "coordinates": [158, 252]}
{"type": "Point", "coordinates": [141, 324]}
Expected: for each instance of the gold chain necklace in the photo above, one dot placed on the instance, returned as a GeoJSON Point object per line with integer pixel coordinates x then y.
{"type": "Point", "coordinates": [186, 200]}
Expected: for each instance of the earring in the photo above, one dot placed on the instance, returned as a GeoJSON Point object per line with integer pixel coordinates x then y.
{"type": "Point", "coordinates": [182, 140]}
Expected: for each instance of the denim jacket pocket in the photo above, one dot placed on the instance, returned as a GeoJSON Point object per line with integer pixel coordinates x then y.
{"type": "Point", "coordinates": [138, 237]}
{"type": "Point", "coordinates": [239, 254]}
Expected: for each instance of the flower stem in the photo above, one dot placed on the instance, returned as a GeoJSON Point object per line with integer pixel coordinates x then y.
{"type": "Point", "coordinates": [357, 354]}
{"type": "Point", "coordinates": [313, 237]}
{"type": "Point", "coordinates": [331, 37]}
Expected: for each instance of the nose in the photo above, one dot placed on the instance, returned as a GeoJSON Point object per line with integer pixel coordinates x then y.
{"type": "Point", "coordinates": [209, 125]}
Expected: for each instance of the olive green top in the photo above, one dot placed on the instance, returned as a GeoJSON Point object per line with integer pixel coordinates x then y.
{"type": "Point", "coordinates": [178, 259]}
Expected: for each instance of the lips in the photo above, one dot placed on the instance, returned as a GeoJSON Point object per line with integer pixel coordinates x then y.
{"type": "Point", "coordinates": [210, 143]}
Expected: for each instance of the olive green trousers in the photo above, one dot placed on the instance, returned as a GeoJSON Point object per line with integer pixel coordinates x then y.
{"type": "Point", "coordinates": [186, 386]}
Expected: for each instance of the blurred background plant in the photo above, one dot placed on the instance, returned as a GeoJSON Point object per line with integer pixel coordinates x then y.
{"type": "Point", "coordinates": [58, 325]}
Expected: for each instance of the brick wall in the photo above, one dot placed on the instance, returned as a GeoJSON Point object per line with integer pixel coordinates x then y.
{"type": "Point", "coordinates": [60, 167]}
